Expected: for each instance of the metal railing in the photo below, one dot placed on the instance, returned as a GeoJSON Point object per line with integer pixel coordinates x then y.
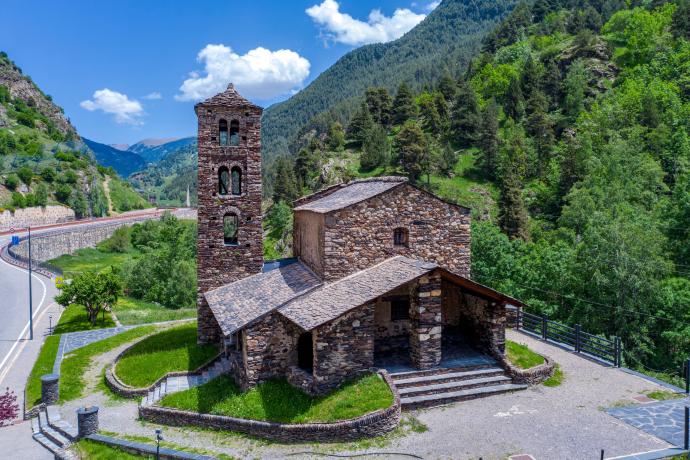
{"type": "Point", "coordinates": [572, 337]}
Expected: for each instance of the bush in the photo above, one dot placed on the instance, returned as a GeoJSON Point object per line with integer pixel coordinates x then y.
{"type": "Point", "coordinates": [12, 182]}
{"type": "Point", "coordinates": [69, 177]}
{"type": "Point", "coordinates": [119, 242]}
{"type": "Point", "coordinates": [48, 174]}
{"type": "Point", "coordinates": [63, 193]}
{"type": "Point", "coordinates": [18, 200]}
{"type": "Point", "coordinates": [26, 174]}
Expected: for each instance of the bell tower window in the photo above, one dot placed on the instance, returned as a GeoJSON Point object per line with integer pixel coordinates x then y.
{"type": "Point", "coordinates": [223, 181]}
{"type": "Point", "coordinates": [401, 237]}
{"type": "Point", "coordinates": [223, 132]}
{"type": "Point", "coordinates": [236, 175]}
{"type": "Point", "coordinates": [230, 228]}
{"type": "Point", "coordinates": [234, 132]}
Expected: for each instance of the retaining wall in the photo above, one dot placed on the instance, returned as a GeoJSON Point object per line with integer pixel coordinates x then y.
{"type": "Point", "coordinates": [532, 376]}
{"type": "Point", "coordinates": [370, 425]}
{"type": "Point", "coordinates": [34, 217]}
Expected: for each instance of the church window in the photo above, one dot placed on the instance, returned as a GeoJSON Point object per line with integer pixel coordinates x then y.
{"type": "Point", "coordinates": [230, 229]}
{"type": "Point", "coordinates": [223, 181]}
{"type": "Point", "coordinates": [223, 132]}
{"type": "Point", "coordinates": [234, 132]}
{"type": "Point", "coordinates": [236, 175]}
{"type": "Point", "coordinates": [401, 237]}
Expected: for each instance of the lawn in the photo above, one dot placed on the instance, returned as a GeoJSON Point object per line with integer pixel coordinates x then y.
{"type": "Point", "coordinates": [521, 356]}
{"type": "Point", "coordinates": [75, 364]}
{"type": "Point", "coordinates": [167, 351]}
{"type": "Point", "coordinates": [74, 318]}
{"type": "Point", "coordinates": [89, 260]}
{"type": "Point", "coordinates": [42, 366]}
{"type": "Point", "coordinates": [278, 401]}
{"type": "Point", "coordinates": [132, 311]}
{"type": "Point", "coordinates": [556, 379]}
{"type": "Point", "coordinates": [96, 451]}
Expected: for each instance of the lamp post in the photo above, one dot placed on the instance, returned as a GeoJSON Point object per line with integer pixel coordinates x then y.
{"type": "Point", "coordinates": [159, 438]}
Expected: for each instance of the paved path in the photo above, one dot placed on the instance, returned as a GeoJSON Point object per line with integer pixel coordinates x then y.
{"type": "Point", "coordinates": [665, 419]}
{"type": "Point", "coordinates": [73, 340]}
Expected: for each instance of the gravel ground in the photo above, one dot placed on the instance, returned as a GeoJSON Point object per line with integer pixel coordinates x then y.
{"type": "Point", "coordinates": [549, 423]}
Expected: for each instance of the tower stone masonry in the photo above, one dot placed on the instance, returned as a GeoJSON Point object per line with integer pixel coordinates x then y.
{"type": "Point", "coordinates": [229, 243]}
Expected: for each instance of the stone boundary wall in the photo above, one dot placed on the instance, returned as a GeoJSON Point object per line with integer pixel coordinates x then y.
{"type": "Point", "coordinates": [146, 450]}
{"type": "Point", "coordinates": [370, 425]}
{"type": "Point", "coordinates": [122, 389]}
{"type": "Point", "coordinates": [531, 376]}
{"type": "Point", "coordinates": [35, 216]}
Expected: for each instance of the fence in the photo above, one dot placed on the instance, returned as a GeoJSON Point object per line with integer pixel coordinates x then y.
{"type": "Point", "coordinates": [573, 337]}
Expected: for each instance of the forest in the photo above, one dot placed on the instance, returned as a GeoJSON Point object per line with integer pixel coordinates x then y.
{"type": "Point", "coordinates": [568, 135]}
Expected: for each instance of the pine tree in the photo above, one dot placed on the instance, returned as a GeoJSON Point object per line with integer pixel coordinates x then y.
{"type": "Point", "coordinates": [572, 161]}
{"type": "Point", "coordinates": [447, 160]}
{"type": "Point", "coordinates": [447, 87]}
{"type": "Point", "coordinates": [575, 85]}
{"type": "Point", "coordinates": [513, 217]}
{"type": "Point", "coordinates": [376, 148]}
{"type": "Point", "coordinates": [541, 128]}
{"type": "Point", "coordinates": [360, 124]}
{"type": "Point", "coordinates": [411, 150]}
{"type": "Point", "coordinates": [531, 77]}
{"type": "Point", "coordinates": [681, 20]}
{"type": "Point", "coordinates": [488, 141]}
{"type": "Point", "coordinates": [336, 137]}
{"type": "Point", "coordinates": [431, 120]}
{"type": "Point", "coordinates": [305, 166]}
{"type": "Point", "coordinates": [552, 83]}
{"type": "Point", "coordinates": [403, 105]}
{"type": "Point", "coordinates": [284, 187]}
{"type": "Point", "coordinates": [380, 105]}
{"type": "Point", "coordinates": [515, 102]}
{"type": "Point", "coordinates": [465, 120]}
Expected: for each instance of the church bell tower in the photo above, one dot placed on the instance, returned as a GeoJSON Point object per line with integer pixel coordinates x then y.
{"type": "Point", "coordinates": [229, 243]}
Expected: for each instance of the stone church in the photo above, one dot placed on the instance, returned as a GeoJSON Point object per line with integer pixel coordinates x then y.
{"type": "Point", "coordinates": [380, 276]}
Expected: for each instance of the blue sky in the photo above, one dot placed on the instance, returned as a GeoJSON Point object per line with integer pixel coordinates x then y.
{"type": "Point", "coordinates": [122, 70]}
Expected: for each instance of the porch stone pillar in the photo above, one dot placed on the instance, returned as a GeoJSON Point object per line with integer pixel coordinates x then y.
{"type": "Point", "coordinates": [425, 333]}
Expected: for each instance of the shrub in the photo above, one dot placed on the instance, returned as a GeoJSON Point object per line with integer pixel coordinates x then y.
{"type": "Point", "coordinates": [69, 177]}
{"type": "Point", "coordinates": [12, 182]}
{"type": "Point", "coordinates": [48, 174]}
{"type": "Point", "coordinates": [63, 193]}
{"type": "Point", "coordinates": [9, 409]}
{"type": "Point", "coordinates": [26, 174]}
{"type": "Point", "coordinates": [119, 242]}
{"type": "Point", "coordinates": [18, 200]}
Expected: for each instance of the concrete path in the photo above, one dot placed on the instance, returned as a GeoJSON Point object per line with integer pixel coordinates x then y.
{"type": "Point", "coordinates": [73, 340]}
{"type": "Point", "coordinates": [665, 419]}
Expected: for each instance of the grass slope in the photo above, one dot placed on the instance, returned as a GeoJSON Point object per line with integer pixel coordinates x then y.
{"type": "Point", "coordinates": [521, 356]}
{"type": "Point", "coordinates": [277, 400]}
{"type": "Point", "coordinates": [167, 351]}
{"type": "Point", "coordinates": [74, 319]}
{"type": "Point", "coordinates": [42, 366]}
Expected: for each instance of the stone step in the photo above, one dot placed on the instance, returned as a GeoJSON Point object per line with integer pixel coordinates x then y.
{"type": "Point", "coordinates": [164, 387]}
{"type": "Point", "coordinates": [437, 388]}
{"type": "Point", "coordinates": [416, 402]}
{"type": "Point", "coordinates": [65, 429]}
{"type": "Point", "coordinates": [49, 432]}
{"type": "Point", "coordinates": [438, 371]}
{"type": "Point", "coordinates": [45, 442]}
{"type": "Point", "coordinates": [156, 393]}
{"type": "Point", "coordinates": [448, 377]}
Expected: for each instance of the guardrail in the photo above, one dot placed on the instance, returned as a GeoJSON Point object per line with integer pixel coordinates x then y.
{"type": "Point", "coordinates": [572, 337]}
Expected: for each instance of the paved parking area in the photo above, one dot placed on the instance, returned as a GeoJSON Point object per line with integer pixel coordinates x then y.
{"type": "Point", "coordinates": [665, 419]}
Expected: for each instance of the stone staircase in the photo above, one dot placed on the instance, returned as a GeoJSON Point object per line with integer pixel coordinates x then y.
{"type": "Point", "coordinates": [185, 382]}
{"type": "Point", "coordinates": [52, 432]}
{"type": "Point", "coordinates": [436, 387]}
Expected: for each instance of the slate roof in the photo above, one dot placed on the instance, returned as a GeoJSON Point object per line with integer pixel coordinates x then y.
{"type": "Point", "coordinates": [230, 97]}
{"type": "Point", "coordinates": [334, 299]}
{"type": "Point", "coordinates": [349, 194]}
{"type": "Point", "coordinates": [237, 304]}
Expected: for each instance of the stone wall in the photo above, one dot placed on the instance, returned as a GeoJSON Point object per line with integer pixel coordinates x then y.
{"type": "Point", "coordinates": [308, 239]}
{"type": "Point", "coordinates": [343, 348]}
{"type": "Point", "coordinates": [426, 320]}
{"type": "Point", "coordinates": [370, 425]}
{"type": "Point", "coordinates": [532, 376]}
{"type": "Point", "coordinates": [391, 335]}
{"type": "Point", "coordinates": [361, 235]}
{"type": "Point", "coordinates": [219, 264]}
{"type": "Point", "coordinates": [35, 217]}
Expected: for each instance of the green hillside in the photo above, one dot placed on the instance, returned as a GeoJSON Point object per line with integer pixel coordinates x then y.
{"type": "Point", "coordinates": [42, 158]}
{"type": "Point", "coordinates": [445, 41]}
{"type": "Point", "coordinates": [568, 136]}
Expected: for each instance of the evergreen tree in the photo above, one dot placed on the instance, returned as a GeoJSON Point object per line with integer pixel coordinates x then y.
{"type": "Point", "coordinates": [489, 142]}
{"type": "Point", "coordinates": [465, 119]}
{"type": "Point", "coordinates": [376, 148]}
{"type": "Point", "coordinates": [411, 150]}
{"type": "Point", "coordinates": [380, 105]}
{"type": "Point", "coordinates": [513, 217]}
{"type": "Point", "coordinates": [431, 120]}
{"type": "Point", "coordinates": [447, 87]}
{"type": "Point", "coordinates": [360, 124]}
{"type": "Point", "coordinates": [575, 85]}
{"type": "Point", "coordinates": [572, 159]}
{"type": "Point", "coordinates": [681, 20]}
{"type": "Point", "coordinates": [403, 105]}
{"type": "Point", "coordinates": [284, 187]}
{"type": "Point", "coordinates": [540, 127]}
{"type": "Point", "coordinates": [515, 102]}
{"type": "Point", "coordinates": [336, 137]}
{"type": "Point", "coordinates": [532, 74]}
{"type": "Point", "coordinates": [551, 83]}
{"type": "Point", "coordinates": [306, 165]}
{"type": "Point", "coordinates": [541, 9]}
{"type": "Point", "coordinates": [447, 160]}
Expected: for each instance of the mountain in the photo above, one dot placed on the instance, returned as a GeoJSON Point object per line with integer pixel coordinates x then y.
{"type": "Point", "coordinates": [42, 158]}
{"type": "Point", "coordinates": [122, 161]}
{"type": "Point", "coordinates": [120, 146]}
{"type": "Point", "coordinates": [153, 150]}
{"type": "Point", "coordinates": [446, 40]}
{"type": "Point", "coordinates": [167, 180]}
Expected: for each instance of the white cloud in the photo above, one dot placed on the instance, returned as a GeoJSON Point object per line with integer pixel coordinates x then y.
{"type": "Point", "coordinates": [153, 96]}
{"type": "Point", "coordinates": [343, 28]}
{"type": "Point", "coordinates": [123, 108]}
{"type": "Point", "coordinates": [432, 6]}
{"type": "Point", "coordinates": [260, 74]}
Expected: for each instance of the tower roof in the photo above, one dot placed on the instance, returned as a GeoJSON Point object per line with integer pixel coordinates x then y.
{"type": "Point", "coordinates": [228, 98]}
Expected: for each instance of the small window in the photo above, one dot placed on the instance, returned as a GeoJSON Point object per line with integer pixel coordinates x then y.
{"type": "Point", "coordinates": [223, 181]}
{"type": "Point", "coordinates": [236, 181]}
{"type": "Point", "coordinates": [400, 308]}
{"type": "Point", "coordinates": [400, 237]}
{"type": "Point", "coordinates": [223, 132]}
{"type": "Point", "coordinates": [234, 132]}
{"type": "Point", "coordinates": [230, 227]}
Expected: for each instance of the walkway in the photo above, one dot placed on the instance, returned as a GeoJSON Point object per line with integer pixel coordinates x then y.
{"type": "Point", "coordinates": [665, 419]}
{"type": "Point", "coordinates": [73, 340]}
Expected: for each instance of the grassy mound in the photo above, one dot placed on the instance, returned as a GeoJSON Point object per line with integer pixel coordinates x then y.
{"type": "Point", "coordinates": [167, 351]}
{"type": "Point", "coordinates": [278, 401]}
{"type": "Point", "coordinates": [521, 356]}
